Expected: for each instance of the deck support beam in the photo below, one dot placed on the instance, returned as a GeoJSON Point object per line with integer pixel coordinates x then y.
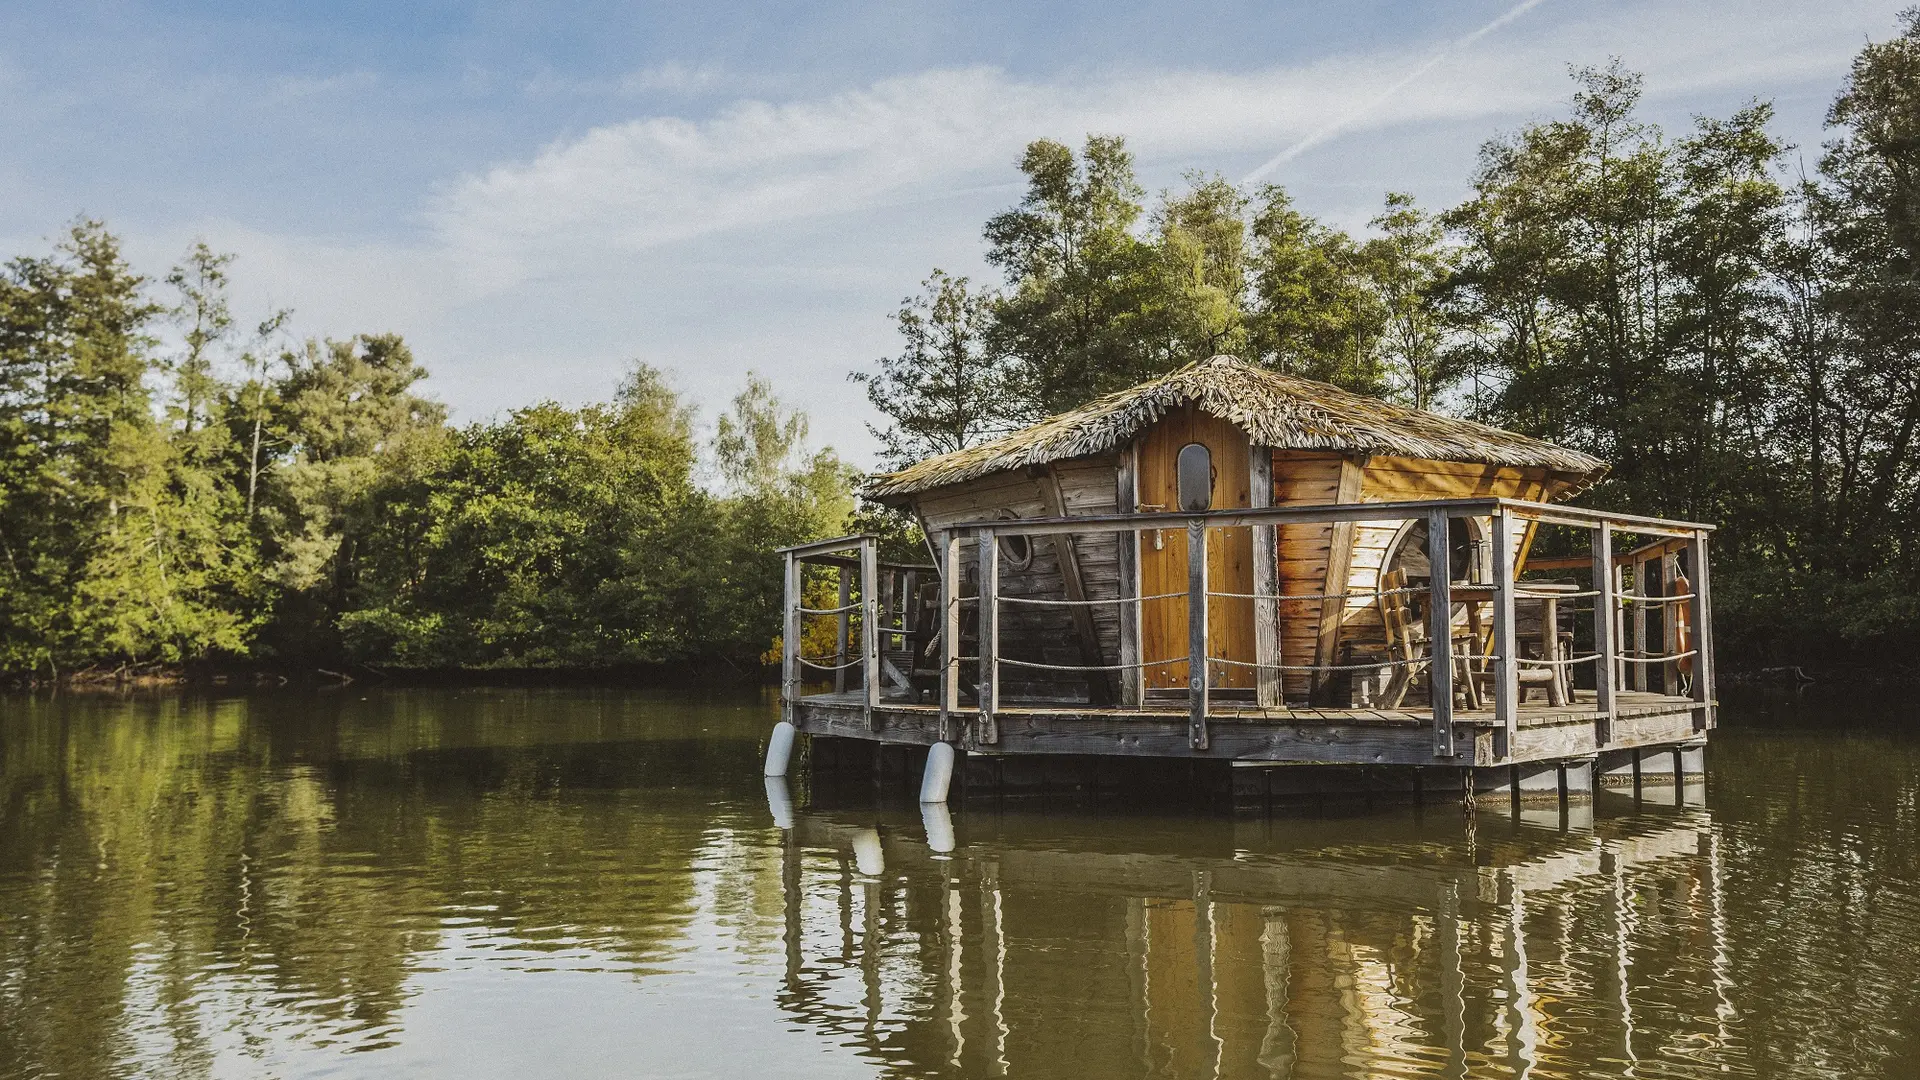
{"type": "Point", "coordinates": [1197, 634]}
{"type": "Point", "coordinates": [1440, 612]}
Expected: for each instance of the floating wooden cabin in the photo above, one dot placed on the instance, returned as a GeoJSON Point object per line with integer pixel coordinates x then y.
{"type": "Point", "coordinates": [1231, 563]}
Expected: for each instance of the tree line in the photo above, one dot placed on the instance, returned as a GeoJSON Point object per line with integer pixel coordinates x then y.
{"type": "Point", "coordinates": [1737, 334]}
{"type": "Point", "coordinates": [221, 493]}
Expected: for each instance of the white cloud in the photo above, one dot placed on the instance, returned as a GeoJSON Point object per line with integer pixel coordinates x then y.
{"type": "Point", "coordinates": [636, 186]}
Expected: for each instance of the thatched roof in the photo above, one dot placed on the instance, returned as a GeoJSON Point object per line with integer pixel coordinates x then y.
{"type": "Point", "coordinates": [1280, 411]}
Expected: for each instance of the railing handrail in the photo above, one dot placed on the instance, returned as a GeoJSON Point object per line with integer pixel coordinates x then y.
{"type": "Point", "coordinates": [1235, 517]}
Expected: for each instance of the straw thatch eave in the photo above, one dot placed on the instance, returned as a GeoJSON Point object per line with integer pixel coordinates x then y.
{"type": "Point", "coordinates": [1275, 410]}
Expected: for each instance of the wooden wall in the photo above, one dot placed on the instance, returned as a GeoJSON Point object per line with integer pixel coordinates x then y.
{"type": "Point", "coordinates": [1037, 634]}
{"type": "Point", "coordinates": [1388, 479]}
{"type": "Point", "coordinates": [1311, 631]}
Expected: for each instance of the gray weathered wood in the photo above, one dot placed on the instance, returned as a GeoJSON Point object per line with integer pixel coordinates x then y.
{"type": "Point", "coordinates": [1266, 581]}
{"type": "Point", "coordinates": [790, 644]}
{"type": "Point", "coordinates": [1603, 623]}
{"type": "Point", "coordinates": [1440, 610]}
{"type": "Point", "coordinates": [1132, 679]}
{"type": "Point", "coordinates": [1701, 610]}
{"type": "Point", "coordinates": [870, 615]}
{"type": "Point", "coordinates": [988, 691]}
{"type": "Point", "coordinates": [1099, 686]}
{"type": "Point", "coordinates": [1197, 635]}
{"type": "Point", "coordinates": [1349, 489]}
{"type": "Point", "coordinates": [949, 548]}
{"type": "Point", "coordinates": [844, 625]}
{"type": "Point", "coordinates": [1637, 673]}
{"type": "Point", "coordinates": [1506, 665]}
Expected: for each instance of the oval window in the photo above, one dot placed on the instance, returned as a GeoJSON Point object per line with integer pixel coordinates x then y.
{"type": "Point", "coordinates": [1016, 552]}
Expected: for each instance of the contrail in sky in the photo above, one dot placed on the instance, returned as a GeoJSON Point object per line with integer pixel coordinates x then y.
{"type": "Point", "coordinates": [1335, 126]}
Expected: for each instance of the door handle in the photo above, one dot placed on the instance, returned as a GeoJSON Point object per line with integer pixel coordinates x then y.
{"type": "Point", "coordinates": [1157, 543]}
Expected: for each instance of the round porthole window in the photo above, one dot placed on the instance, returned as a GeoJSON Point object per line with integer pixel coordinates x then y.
{"type": "Point", "coordinates": [1016, 552]}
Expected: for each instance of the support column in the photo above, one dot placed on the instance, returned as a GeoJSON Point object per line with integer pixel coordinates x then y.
{"type": "Point", "coordinates": [1700, 612]}
{"type": "Point", "coordinates": [1603, 632]}
{"type": "Point", "coordinates": [843, 627]}
{"type": "Point", "coordinates": [949, 689]}
{"type": "Point", "coordinates": [988, 691]}
{"type": "Point", "coordinates": [790, 645]}
{"type": "Point", "coordinates": [1266, 583]}
{"type": "Point", "coordinates": [1440, 621]}
{"type": "Point", "coordinates": [1197, 635]}
{"type": "Point", "coordinates": [1506, 667]}
{"type": "Point", "coordinates": [870, 614]}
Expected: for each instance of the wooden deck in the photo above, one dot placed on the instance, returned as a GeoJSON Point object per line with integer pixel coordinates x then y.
{"type": "Point", "coordinates": [1247, 732]}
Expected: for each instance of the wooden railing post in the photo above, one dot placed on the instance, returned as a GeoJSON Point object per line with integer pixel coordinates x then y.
{"type": "Point", "coordinates": [843, 637]}
{"type": "Point", "coordinates": [1637, 677]}
{"type": "Point", "coordinates": [1603, 624]}
{"type": "Point", "coordinates": [790, 645]}
{"type": "Point", "coordinates": [1701, 610]}
{"type": "Point", "coordinates": [1506, 664]}
{"type": "Point", "coordinates": [1197, 634]}
{"type": "Point", "coordinates": [989, 688]}
{"type": "Point", "coordinates": [1266, 582]}
{"type": "Point", "coordinates": [948, 545]}
{"type": "Point", "coordinates": [1440, 648]}
{"type": "Point", "coordinates": [870, 616]}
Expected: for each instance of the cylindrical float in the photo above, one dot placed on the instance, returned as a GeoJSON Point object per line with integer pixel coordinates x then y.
{"type": "Point", "coordinates": [939, 824]}
{"type": "Point", "coordinates": [867, 857]}
{"type": "Point", "coordinates": [779, 802]}
{"type": "Point", "coordinates": [938, 775]}
{"type": "Point", "coordinates": [779, 748]}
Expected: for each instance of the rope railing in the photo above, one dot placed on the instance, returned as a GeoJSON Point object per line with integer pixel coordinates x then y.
{"type": "Point", "coordinates": [830, 610]}
{"type": "Point", "coordinates": [1626, 598]}
{"type": "Point", "coordinates": [1658, 659]}
{"type": "Point", "coordinates": [1565, 661]}
{"type": "Point", "coordinates": [814, 663]}
{"type": "Point", "coordinates": [1089, 667]}
{"type": "Point", "coordinates": [1316, 596]}
{"type": "Point", "coordinates": [1082, 603]}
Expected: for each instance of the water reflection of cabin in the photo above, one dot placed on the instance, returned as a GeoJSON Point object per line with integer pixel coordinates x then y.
{"type": "Point", "coordinates": [1295, 522]}
{"type": "Point", "coordinates": [1206, 956]}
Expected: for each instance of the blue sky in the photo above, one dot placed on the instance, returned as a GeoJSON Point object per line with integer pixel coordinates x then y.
{"type": "Point", "coordinates": [537, 195]}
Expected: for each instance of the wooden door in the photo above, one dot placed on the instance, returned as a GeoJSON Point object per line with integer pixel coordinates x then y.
{"type": "Point", "coordinates": [1163, 560]}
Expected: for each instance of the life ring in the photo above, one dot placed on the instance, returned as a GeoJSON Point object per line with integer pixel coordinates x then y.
{"type": "Point", "coordinates": [1683, 622]}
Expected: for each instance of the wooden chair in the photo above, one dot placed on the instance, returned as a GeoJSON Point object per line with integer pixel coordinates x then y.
{"type": "Point", "coordinates": [1406, 641]}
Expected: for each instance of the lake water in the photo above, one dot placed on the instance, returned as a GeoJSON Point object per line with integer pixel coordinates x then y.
{"type": "Point", "coordinates": [515, 883]}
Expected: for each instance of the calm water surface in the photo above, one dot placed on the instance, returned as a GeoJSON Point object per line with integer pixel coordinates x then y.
{"type": "Point", "coordinates": [514, 883]}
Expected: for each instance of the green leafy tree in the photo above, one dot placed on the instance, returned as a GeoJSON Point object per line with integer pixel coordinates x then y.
{"type": "Point", "coordinates": [1080, 283]}
{"type": "Point", "coordinates": [1313, 311]}
{"type": "Point", "coordinates": [947, 389]}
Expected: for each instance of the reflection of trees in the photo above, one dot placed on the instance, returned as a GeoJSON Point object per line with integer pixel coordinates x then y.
{"type": "Point", "coordinates": [173, 868]}
{"type": "Point", "coordinates": [1029, 961]}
